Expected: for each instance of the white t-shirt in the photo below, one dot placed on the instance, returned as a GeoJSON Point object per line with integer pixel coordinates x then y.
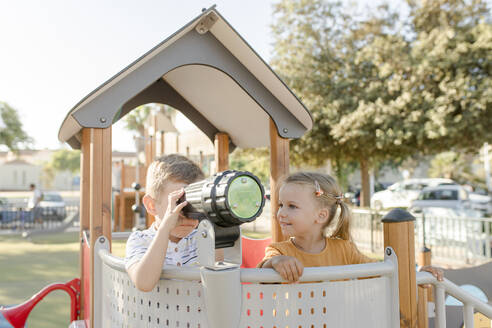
{"type": "Point", "coordinates": [181, 253]}
{"type": "Point", "coordinates": [35, 198]}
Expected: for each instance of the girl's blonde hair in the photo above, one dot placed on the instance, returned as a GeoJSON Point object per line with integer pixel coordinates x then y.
{"type": "Point", "coordinates": [328, 194]}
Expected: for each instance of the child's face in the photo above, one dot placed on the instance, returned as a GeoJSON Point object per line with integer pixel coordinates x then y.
{"type": "Point", "coordinates": [298, 212]}
{"type": "Point", "coordinates": [185, 225]}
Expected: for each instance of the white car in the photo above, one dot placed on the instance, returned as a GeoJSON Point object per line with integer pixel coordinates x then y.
{"type": "Point", "coordinates": [482, 203]}
{"type": "Point", "coordinates": [445, 196]}
{"type": "Point", "coordinates": [52, 206]}
{"type": "Point", "coordinates": [401, 194]}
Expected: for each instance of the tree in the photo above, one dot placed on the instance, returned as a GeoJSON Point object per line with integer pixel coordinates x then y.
{"type": "Point", "coordinates": [11, 133]}
{"type": "Point", "coordinates": [61, 160]}
{"type": "Point", "coordinates": [377, 93]}
{"type": "Point", "coordinates": [136, 119]}
{"type": "Point", "coordinates": [342, 66]}
{"type": "Point", "coordinates": [66, 160]}
{"type": "Point", "coordinates": [256, 161]}
{"type": "Point", "coordinates": [450, 80]}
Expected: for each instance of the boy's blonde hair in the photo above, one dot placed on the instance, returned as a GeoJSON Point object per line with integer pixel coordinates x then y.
{"type": "Point", "coordinates": [327, 194]}
{"type": "Point", "coordinates": [174, 167]}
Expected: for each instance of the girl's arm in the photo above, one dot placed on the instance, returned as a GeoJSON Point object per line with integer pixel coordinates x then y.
{"type": "Point", "coordinates": [435, 271]}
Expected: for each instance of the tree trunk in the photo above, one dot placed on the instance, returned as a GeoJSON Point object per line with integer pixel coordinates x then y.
{"type": "Point", "coordinates": [365, 198]}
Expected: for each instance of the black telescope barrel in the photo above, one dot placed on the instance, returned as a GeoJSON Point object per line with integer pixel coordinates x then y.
{"type": "Point", "coordinates": [228, 198]}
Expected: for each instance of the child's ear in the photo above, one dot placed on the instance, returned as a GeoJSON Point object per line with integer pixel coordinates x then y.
{"type": "Point", "coordinates": [323, 215]}
{"type": "Point", "coordinates": [149, 204]}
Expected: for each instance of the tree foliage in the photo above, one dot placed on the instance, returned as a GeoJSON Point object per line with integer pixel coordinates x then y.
{"type": "Point", "coordinates": [382, 87]}
{"type": "Point", "coordinates": [65, 160]}
{"type": "Point", "coordinates": [11, 133]}
{"type": "Point", "coordinates": [256, 161]}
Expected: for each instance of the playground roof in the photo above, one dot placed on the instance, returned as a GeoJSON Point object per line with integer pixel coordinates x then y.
{"type": "Point", "coordinates": [207, 71]}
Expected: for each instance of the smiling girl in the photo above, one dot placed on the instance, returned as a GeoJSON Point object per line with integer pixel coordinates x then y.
{"type": "Point", "coordinates": [309, 204]}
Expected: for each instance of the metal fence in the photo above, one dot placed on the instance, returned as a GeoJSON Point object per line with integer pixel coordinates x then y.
{"type": "Point", "coordinates": [451, 239]}
{"type": "Point", "coordinates": [18, 217]}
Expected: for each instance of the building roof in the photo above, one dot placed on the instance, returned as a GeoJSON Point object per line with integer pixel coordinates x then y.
{"type": "Point", "coordinates": [208, 72]}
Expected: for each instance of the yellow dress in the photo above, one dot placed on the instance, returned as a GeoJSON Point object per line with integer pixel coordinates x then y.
{"type": "Point", "coordinates": [336, 252]}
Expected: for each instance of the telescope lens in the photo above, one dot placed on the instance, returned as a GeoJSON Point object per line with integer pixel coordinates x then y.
{"type": "Point", "coordinates": [244, 197]}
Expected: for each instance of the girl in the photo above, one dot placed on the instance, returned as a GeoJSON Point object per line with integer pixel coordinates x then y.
{"type": "Point", "coordinates": [308, 205]}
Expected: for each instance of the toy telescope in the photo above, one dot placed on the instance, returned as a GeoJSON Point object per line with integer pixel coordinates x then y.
{"type": "Point", "coordinates": [227, 199]}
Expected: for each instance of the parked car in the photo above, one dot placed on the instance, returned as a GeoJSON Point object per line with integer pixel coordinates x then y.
{"type": "Point", "coordinates": [481, 202]}
{"type": "Point", "coordinates": [445, 196]}
{"type": "Point", "coordinates": [355, 198]}
{"type": "Point", "coordinates": [52, 206]}
{"type": "Point", "coordinates": [401, 194]}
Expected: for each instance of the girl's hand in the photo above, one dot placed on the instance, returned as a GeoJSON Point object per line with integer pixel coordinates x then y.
{"type": "Point", "coordinates": [435, 271]}
{"type": "Point", "coordinates": [171, 216]}
{"type": "Point", "coordinates": [288, 267]}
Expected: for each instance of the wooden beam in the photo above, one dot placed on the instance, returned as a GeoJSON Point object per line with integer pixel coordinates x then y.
{"type": "Point", "coordinates": [162, 143]}
{"type": "Point", "coordinates": [423, 315]}
{"type": "Point", "coordinates": [121, 211]}
{"type": "Point", "coordinates": [221, 151]}
{"type": "Point", "coordinates": [84, 211]}
{"type": "Point", "coordinates": [425, 256]}
{"type": "Point", "coordinates": [279, 167]}
{"type": "Point", "coordinates": [100, 193]}
{"type": "Point", "coordinates": [398, 227]}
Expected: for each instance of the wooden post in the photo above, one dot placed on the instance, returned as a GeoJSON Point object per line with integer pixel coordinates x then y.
{"type": "Point", "coordinates": [398, 226]}
{"type": "Point", "coordinates": [162, 143]}
{"type": "Point", "coordinates": [122, 213]}
{"type": "Point", "coordinates": [84, 211]}
{"type": "Point", "coordinates": [279, 167]}
{"type": "Point", "coordinates": [100, 193]}
{"type": "Point", "coordinates": [422, 313]}
{"type": "Point", "coordinates": [221, 151]}
{"type": "Point", "coordinates": [423, 260]}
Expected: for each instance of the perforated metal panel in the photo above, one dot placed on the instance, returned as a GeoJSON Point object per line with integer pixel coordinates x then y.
{"type": "Point", "coordinates": [172, 303]}
{"type": "Point", "coordinates": [352, 296]}
{"type": "Point", "coordinates": [354, 303]}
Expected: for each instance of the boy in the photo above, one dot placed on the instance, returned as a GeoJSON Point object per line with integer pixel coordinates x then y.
{"type": "Point", "coordinates": [146, 250]}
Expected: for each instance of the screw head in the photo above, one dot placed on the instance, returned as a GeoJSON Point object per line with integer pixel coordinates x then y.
{"type": "Point", "coordinates": [285, 130]}
{"type": "Point", "coordinates": [102, 119]}
{"type": "Point", "coordinates": [101, 239]}
{"type": "Point", "coordinates": [388, 251]}
{"type": "Point", "coordinates": [204, 234]}
{"type": "Point", "coordinates": [244, 180]}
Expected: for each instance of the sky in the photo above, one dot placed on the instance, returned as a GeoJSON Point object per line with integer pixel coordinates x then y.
{"type": "Point", "coordinates": [53, 53]}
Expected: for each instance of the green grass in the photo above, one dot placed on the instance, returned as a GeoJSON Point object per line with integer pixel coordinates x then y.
{"type": "Point", "coordinates": [28, 266]}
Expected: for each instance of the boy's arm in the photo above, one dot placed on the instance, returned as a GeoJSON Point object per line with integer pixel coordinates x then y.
{"type": "Point", "coordinates": [146, 273]}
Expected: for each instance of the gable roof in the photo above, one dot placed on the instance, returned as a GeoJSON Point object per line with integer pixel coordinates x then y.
{"type": "Point", "coordinates": [208, 72]}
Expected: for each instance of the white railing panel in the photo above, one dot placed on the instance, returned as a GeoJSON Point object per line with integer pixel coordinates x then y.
{"type": "Point", "coordinates": [352, 303]}
{"type": "Point", "coordinates": [172, 303]}
{"type": "Point", "coordinates": [336, 295]}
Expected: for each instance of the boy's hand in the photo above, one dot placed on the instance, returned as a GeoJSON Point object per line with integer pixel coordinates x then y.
{"type": "Point", "coordinates": [288, 267]}
{"type": "Point", "coordinates": [436, 272]}
{"type": "Point", "coordinates": [171, 216]}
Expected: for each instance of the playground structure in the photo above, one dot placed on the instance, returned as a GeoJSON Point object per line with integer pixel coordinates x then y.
{"type": "Point", "coordinates": [209, 73]}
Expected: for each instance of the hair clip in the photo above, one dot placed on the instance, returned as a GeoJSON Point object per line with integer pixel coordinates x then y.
{"type": "Point", "coordinates": [318, 192]}
{"type": "Point", "coordinates": [338, 199]}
